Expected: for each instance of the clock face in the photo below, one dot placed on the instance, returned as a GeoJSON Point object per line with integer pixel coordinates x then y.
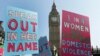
{"type": "Point", "coordinates": [54, 19]}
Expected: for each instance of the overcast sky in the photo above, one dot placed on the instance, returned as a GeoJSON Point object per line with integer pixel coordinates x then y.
{"type": "Point", "coordinates": [89, 8]}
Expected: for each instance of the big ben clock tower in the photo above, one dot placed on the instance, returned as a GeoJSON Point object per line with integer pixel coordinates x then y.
{"type": "Point", "coordinates": [54, 27]}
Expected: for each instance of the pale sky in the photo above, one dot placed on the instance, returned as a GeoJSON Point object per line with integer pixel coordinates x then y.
{"type": "Point", "coordinates": [90, 8]}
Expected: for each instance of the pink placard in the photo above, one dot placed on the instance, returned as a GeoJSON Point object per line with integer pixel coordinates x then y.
{"type": "Point", "coordinates": [75, 35]}
{"type": "Point", "coordinates": [1, 51]}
